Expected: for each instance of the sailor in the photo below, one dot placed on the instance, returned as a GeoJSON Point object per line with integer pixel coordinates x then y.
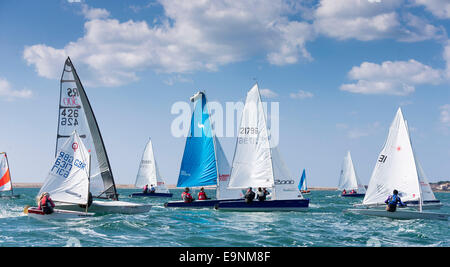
{"type": "Point", "coordinates": [344, 192]}
{"type": "Point", "coordinates": [266, 193]}
{"type": "Point", "coordinates": [152, 189]}
{"type": "Point", "coordinates": [249, 195]}
{"type": "Point", "coordinates": [392, 201]}
{"type": "Point", "coordinates": [46, 204]}
{"type": "Point", "coordinates": [146, 189]}
{"type": "Point", "coordinates": [260, 195]}
{"type": "Point", "coordinates": [202, 195]}
{"type": "Point", "coordinates": [186, 196]}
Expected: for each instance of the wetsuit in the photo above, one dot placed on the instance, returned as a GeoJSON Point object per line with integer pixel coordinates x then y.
{"type": "Point", "coordinates": [261, 196]}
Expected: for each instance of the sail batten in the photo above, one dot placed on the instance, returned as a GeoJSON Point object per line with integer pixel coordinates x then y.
{"type": "Point", "coordinates": [75, 113]}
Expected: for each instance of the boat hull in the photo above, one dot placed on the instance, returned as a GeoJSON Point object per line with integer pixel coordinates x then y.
{"type": "Point", "coordinates": [353, 195]}
{"type": "Point", "coordinates": [400, 214]}
{"type": "Point", "coordinates": [9, 196]}
{"type": "Point", "coordinates": [57, 214]}
{"type": "Point", "coordinates": [151, 195]}
{"type": "Point", "coordinates": [210, 203]}
{"type": "Point", "coordinates": [105, 207]}
{"type": "Point", "coordinates": [268, 205]}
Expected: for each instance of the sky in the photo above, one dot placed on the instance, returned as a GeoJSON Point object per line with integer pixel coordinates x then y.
{"type": "Point", "coordinates": [339, 70]}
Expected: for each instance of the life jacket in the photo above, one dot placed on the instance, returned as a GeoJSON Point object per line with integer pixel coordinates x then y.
{"type": "Point", "coordinates": [186, 197]}
{"type": "Point", "coordinates": [46, 202]}
{"type": "Point", "coordinates": [201, 195]}
{"type": "Point", "coordinates": [393, 200]}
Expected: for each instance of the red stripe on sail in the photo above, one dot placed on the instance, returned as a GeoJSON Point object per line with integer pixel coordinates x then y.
{"type": "Point", "coordinates": [5, 179]}
{"type": "Point", "coordinates": [223, 177]}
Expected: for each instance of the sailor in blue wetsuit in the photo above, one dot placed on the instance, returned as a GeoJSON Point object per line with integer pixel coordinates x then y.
{"type": "Point", "coordinates": [392, 202]}
{"type": "Point", "coordinates": [152, 189]}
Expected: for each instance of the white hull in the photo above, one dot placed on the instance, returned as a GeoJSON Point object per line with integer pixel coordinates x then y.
{"type": "Point", "coordinates": [400, 214]}
{"type": "Point", "coordinates": [58, 215]}
{"type": "Point", "coordinates": [104, 207]}
{"type": "Point", "coordinates": [432, 206]}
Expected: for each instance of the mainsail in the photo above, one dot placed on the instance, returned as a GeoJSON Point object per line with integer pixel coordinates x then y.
{"type": "Point", "coordinates": [68, 179]}
{"type": "Point", "coordinates": [148, 173]}
{"type": "Point", "coordinates": [75, 113]}
{"type": "Point", "coordinates": [349, 179]}
{"type": "Point", "coordinates": [396, 167]}
{"type": "Point", "coordinates": [256, 163]}
{"type": "Point", "coordinates": [5, 176]}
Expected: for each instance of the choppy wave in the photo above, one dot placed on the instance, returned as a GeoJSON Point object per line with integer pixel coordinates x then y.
{"type": "Point", "coordinates": [324, 224]}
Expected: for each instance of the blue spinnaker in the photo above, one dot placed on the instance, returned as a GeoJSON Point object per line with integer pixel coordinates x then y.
{"type": "Point", "coordinates": [302, 180]}
{"type": "Point", "coordinates": [198, 167]}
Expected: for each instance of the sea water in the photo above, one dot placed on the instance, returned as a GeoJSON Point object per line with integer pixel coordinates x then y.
{"type": "Point", "coordinates": [323, 224]}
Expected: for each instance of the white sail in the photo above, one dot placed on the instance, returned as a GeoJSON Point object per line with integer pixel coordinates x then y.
{"type": "Point", "coordinates": [395, 167]}
{"type": "Point", "coordinates": [5, 177]}
{"type": "Point", "coordinates": [224, 169]}
{"type": "Point", "coordinates": [285, 185]}
{"type": "Point", "coordinates": [349, 179]}
{"type": "Point", "coordinates": [68, 179]}
{"type": "Point", "coordinates": [148, 173]}
{"type": "Point", "coordinates": [252, 162]}
{"type": "Point", "coordinates": [75, 113]}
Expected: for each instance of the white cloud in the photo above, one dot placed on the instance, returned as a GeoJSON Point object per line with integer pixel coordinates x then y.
{"type": "Point", "coordinates": [194, 35]}
{"type": "Point", "coordinates": [439, 8]}
{"type": "Point", "coordinates": [7, 92]}
{"type": "Point", "coordinates": [94, 13]}
{"type": "Point", "coordinates": [371, 20]}
{"type": "Point", "coordinates": [301, 95]}
{"type": "Point", "coordinates": [391, 77]}
{"type": "Point", "coordinates": [268, 93]}
{"type": "Point", "coordinates": [445, 114]}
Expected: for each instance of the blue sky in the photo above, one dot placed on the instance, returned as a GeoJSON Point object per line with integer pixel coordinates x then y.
{"type": "Point", "coordinates": [338, 70]}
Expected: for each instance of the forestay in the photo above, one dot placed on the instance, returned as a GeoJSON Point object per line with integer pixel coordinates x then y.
{"type": "Point", "coordinates": [148, 173]}
{"type": "Point", "coordinates": [5, 177]}
{"type": "Point", "coordinates": [68, 179]}
{"type": "Point", "coordinates": [75, 113]}
{"type": "Point", "coordinates": [395, 167]}
{"type": "Point", "coordinates": [349, 179]}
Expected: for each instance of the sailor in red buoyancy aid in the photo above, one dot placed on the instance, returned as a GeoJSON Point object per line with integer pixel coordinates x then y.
{"type": "Point", "coordinates": [186, 196]}
{"type": "Point", "coordinates": [202, 195]}
{"type": "Point", "coordinates": [46, 203]}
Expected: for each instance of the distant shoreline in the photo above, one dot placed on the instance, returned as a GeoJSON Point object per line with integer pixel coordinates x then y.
{"type": "Point", "coordinates": [172, 186]}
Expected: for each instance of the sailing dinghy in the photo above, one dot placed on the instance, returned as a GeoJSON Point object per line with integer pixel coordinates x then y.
{"type": "Point", "coordinates": [148, 174]}
{"type": "Point", "coordinates": [257, 164]}
{"type": "Point", "coordinates": [67, 181]}
{"type": "Point", "coordinates": [6, 188]}
{"type": "Point", "coordinates": [75, 113]}
{"type": "Point", "coordinates": [302, 186]}
{"type": "Point", "coordinates": [397, 168]}
{"type": "Point", "coordinates": [349, 181]}
{"type": "Point", "coordinates": [204, 163]}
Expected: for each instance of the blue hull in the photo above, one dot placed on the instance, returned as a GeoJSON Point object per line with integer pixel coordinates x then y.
{"type": "Point", "coordinates": [268, 205]}
{"type": "Point", "coordinates": [211, 203]}
{"type": "Point", "coordinates": [151, 195]}
{"type": "Point", "coordinates": [353, 195]}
